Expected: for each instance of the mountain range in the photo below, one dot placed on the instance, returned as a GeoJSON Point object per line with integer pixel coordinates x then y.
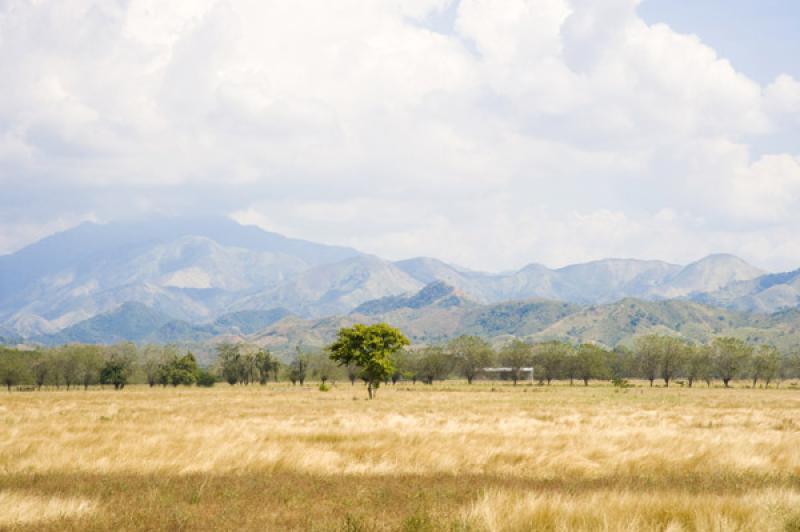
{"type": "Point", "coordinates": [196, 279]}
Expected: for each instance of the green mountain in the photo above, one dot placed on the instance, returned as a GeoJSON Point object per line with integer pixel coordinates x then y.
{"type": "Point", "coordinates": [437, 293]}
{"type": "Point", "coordinates": [620, 322]}
{"type": "Point", "coordinates": [139, 323]}
{"type": "Point", "coordinates": [249, 321]}
{"type": "Point", "coordinates": [539, 320]}
{"type": "Point", "coordinates": [131, 321]}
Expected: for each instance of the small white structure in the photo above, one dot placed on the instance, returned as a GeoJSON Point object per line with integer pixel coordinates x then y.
{"type": "Point", "coordinates": [500, 371]}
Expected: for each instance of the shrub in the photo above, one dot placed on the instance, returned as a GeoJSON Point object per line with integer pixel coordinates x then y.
{"type": "Point", "coordinates": [205, 379]}
{"type": "Point", "coordinates": [621, 383]}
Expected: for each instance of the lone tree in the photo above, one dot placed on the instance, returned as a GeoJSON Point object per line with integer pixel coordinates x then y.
{"type": "Point", "coordinates": [370, 348]}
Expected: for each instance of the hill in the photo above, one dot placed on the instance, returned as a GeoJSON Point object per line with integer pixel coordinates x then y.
{"type": "Point", "coordinates": [192, 269]}
{"type": "Point", "coordinates": [196, 270]}
{"type": "Point", "coordinates": [136, 322]}
{"type": "Point", "coordinates": [767, 293]}
{"type": "Point", "coordinates": [620, 322]}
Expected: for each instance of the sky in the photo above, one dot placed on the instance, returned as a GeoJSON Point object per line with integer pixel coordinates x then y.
{"type": "Point", "coordinates": [488, 133]}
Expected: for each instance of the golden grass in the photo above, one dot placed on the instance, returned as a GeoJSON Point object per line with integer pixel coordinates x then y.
{"type": "Point", "coordinates": [486, 457]}
{"type": "Point", "coordinates": [22, 509]}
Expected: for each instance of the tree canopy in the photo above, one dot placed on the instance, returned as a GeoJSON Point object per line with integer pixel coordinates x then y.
{"type": "Point", "coordinates": [370, 348]}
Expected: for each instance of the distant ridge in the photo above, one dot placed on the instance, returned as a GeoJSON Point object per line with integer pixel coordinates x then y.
{"type": "Point", "coordinates": [195, 270]}
{"type": "Point", "coordinates": [136, 322]}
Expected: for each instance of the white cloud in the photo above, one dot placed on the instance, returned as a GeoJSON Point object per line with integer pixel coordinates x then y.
{"type": "Point", "coordinates": [547, 130]}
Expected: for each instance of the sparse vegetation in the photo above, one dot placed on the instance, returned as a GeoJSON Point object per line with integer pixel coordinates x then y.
{"type": "Point", "coordinates": [449, 456]}
{"type": "Point", "coordinates": [445, 457]}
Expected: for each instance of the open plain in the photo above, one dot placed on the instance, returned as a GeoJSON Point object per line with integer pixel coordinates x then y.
{"type": "Point", "coordinates": [489, 456]}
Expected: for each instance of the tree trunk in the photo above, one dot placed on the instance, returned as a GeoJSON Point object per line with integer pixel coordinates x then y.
{"type": "Point", "coordinates": [369, 390]}
{"type": "Point", "coordinates": [755, 380]}
{"type": "Point", "coordinates": [725, 382]}
{"type": "Point", "coordinates": [666, 382]}
{"type": "Point", "coordinates": [585, 381]}
{"type": "Point", "coordinates": [691, 380]}
{"type": "Point", "coordinates": [651, 382]}
{"type": "Point", "coordinates": [469, 379]}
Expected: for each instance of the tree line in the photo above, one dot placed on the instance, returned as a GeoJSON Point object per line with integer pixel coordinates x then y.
{"type": "Point", "coordinates": [654, 358]}
{"type": "Point", "coordinates": [83, 365]}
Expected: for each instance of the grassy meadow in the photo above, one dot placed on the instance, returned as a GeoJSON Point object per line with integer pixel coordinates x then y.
{"type": "Point", "coordinates": [443, 457]}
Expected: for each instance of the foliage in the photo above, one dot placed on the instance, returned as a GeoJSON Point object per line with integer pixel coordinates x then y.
{"type": "Point", "coordinates": [766, 364]}
{"type": "Point", "coordinates": [471, 354]}
{"type": "Point", "coordinates": [433, 363]}
{"type": "Point", "coordinates": [13, 369]}
{"type": "Point", "coordinates": [516, 355]}
{"type": "Point", "coordinates": [731, 356]}
{"type": "Point", "coordinates": [699, 365]}
{"type": "Point", "coordinates": [548, 359]}
{"type": "Point", "coordinates": [117, 367]}
{"type": "Point", "coordinates": [370, 348]}
{"type": "Point", "coordinates": [229, 359]}
{"type": "Point", "coordinates": [205, 378]}
{"type": "Point", "coordinates": [265, 365]}
{"type": "Point", "coordinates": [591, 363]}
{"type": "Point", "coordinates": [298, 368]}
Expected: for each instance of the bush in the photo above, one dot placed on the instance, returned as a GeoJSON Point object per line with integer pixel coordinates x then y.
{"type": "Point", "coordinates": [205, 379]}
{"type": "Point", "coordinates": [324, 387]}
{"type": "Point", "coordinates": [621, 383]}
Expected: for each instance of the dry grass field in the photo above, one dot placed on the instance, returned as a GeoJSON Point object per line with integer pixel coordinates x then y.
{"type": "Point", "coordinates": [446, 457]}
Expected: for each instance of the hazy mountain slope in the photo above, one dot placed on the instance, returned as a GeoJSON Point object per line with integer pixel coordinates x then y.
{"type": "Point", "coordinates": [520, 318]}
{"type": "Point", "coordinates": [706, 275]}
{"type": "Point", "coordinates": [440, 318]}
{"type": "Point", "coordinates": [437, 293]}
{"type": "Point", "coordinates": [249, 321]}
{"type": "Point", "coordinates": [767, 293]}
{"type": "Point", "coordinates": [9, 337]}
{"type": "Point", "coordinates": [434, 313]}
{"type": "Point", "coordinates": [601, 281]}
{"type": "Point", "coordinates": [198, 269]}
{"type": "Point", "coordinates": [189, 268]}
{"type": "Point", "coordinates": [131, 321]}
{"type": "Point", "coordinates": [478, 286]}
{"type": "Point", "coordinates": [619, 322]}
{"type": "Point", "coordinates": [335, 288]}
{"type": "Point", "coordinates": [608, 280]}
{"type": "Point", "coordinates": [292, 332]}
{"type": "Point", "coordinates": [136, 322]}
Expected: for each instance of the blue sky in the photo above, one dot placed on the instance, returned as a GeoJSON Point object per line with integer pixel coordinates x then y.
{"type": "Point", "coordinates": [761, 38]}
{"type": "Point", "coordinates": [489, 133]}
